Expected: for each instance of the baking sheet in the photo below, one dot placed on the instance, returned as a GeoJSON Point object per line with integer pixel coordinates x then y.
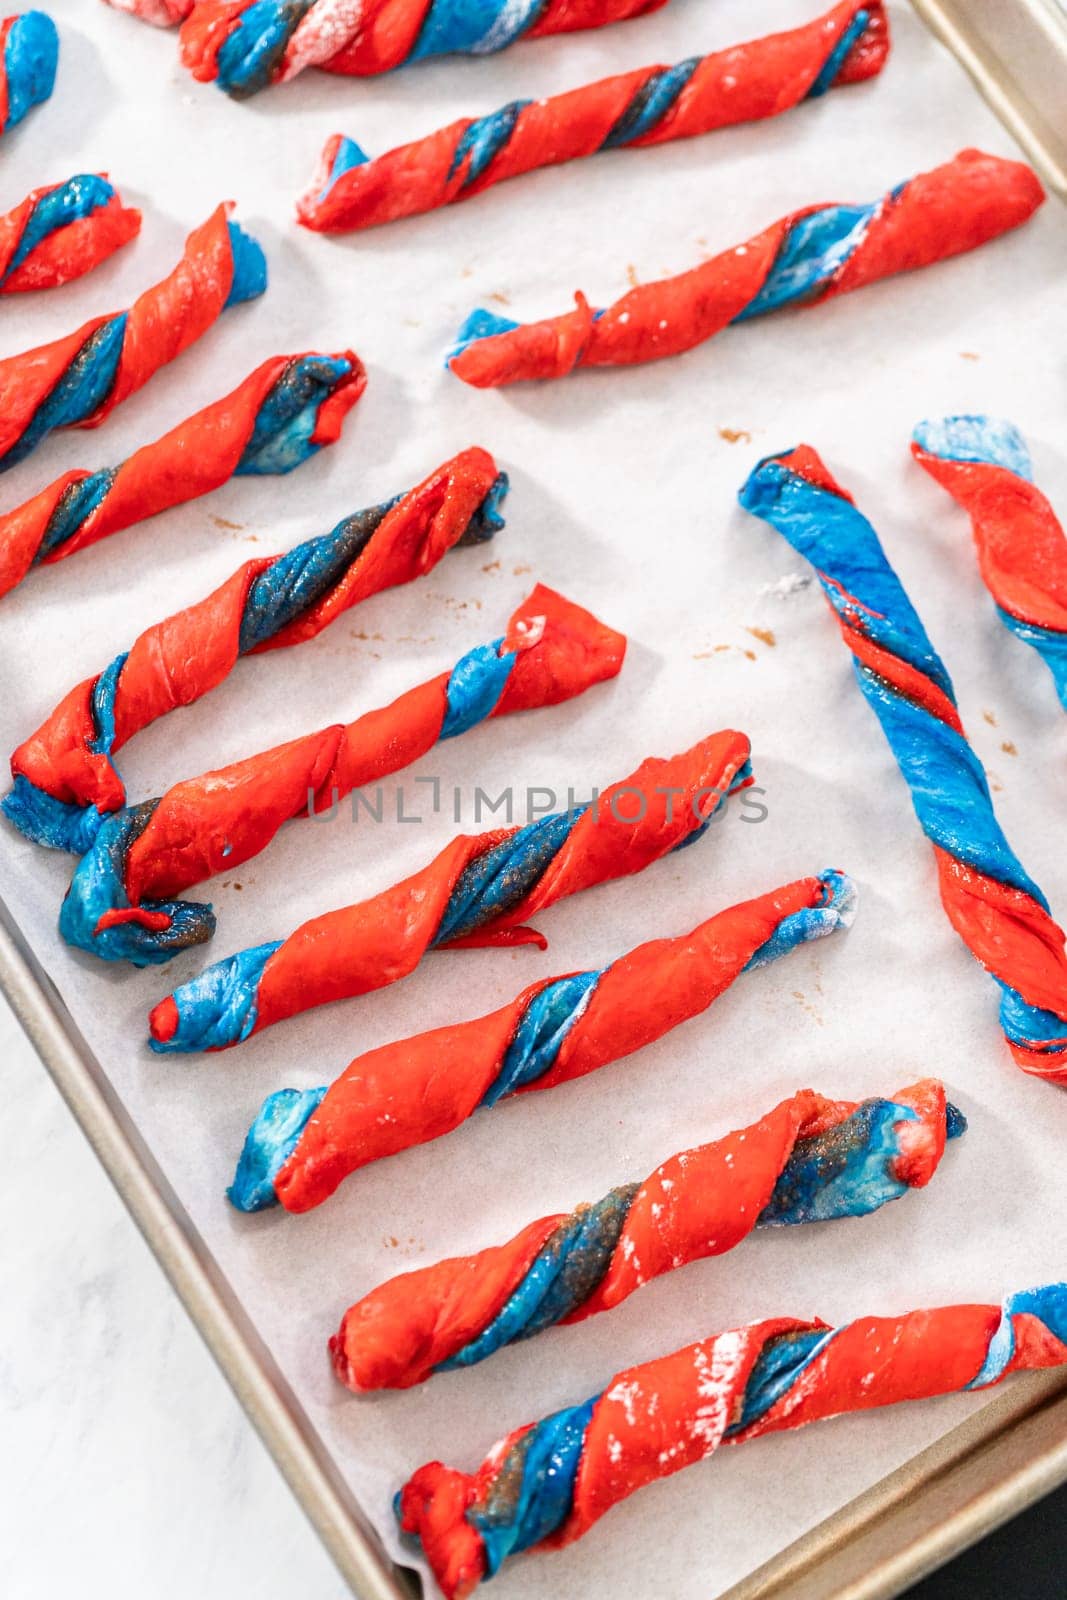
{"type": "Point", "coordinates": [623, 496]}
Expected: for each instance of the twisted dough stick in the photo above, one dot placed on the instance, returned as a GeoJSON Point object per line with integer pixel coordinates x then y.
{"type": "Point", "coordinates": [244, 45]}
{"type": "Point", "coordinates": [998, 911]}
{"type": "Point", "coordinates": [1022, 549]}
{"type": "Point", "coordinates": [63, 231]}
{"type": "Point", "coordinates": [281, 415]}
{"type": "Point", "coordinates": [118, 904]}
{"type": "Point", "coordinates": [807, 257]}
{"type": "Point", "coordinates": [305, 1142]}
{"type": "Point", "coordinates": [809, 1160]}
{"type": "Point", "coordinates": [476, 892]}
{"type": "Point", "coordinates": [78, 381]}
{"type": "Point", "coordinates": [65, 779]}
{"type": "Point", "coordinates": [650, 106]}
{"type": "Point", "coordinates": [546, 1484]}
{"type": "Point", "coordinates": [29, 53]}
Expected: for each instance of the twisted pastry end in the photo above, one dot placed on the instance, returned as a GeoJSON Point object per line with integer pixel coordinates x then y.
{"type": "Point", "coordinates": [63, 231]}
{"type": "Point", "coordinates": [1022, 547]}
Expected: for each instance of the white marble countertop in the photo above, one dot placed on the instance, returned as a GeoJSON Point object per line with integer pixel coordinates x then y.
{"type": "Point", "coordinates": [128, 1468]}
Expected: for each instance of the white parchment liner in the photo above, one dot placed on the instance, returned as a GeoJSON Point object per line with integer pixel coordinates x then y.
{"type": "Point", "coordinates": [624, 497]}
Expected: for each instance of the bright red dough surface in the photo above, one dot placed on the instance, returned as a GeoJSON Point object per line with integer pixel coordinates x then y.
{"type": "Point", "coordinates": [1022, 546]}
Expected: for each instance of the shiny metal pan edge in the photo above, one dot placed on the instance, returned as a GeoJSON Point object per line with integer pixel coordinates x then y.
{"type": "Point", "coordinates": [1016, 53]}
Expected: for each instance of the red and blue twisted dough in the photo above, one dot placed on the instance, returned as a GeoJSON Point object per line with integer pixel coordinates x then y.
{"type": "Point", "coordinates": [808, 1160]}
{"type": "Point", "coordinates": [1022, 548]}
{"type": "Point", "coordinates": [477, 892]}
{"type": "Point", "coordinates": [76, 382]}
{"type": "Point", "coordinates": [245, 45]}
{"type": "Point", "coordinates": [304, 1142]}
{"type": "Point", "coordinates": [29, 53]}
{"type": "Point", "coordinates": [806, 258]}
{"type": "Point", "coordinates": [995, 907]}
{"type": "Point", "coordinates": [649, 106]}
{"type": "Point", "coordinates": [544, 1485]}
{"type": "Point", "coordinates": [282, 415]}
{"type": "Point", "coordinates": [64, 776]}
{"type": "Point", "coordinates": [62, 231]}
{"type": "Point", "coordinates": [119, 903]}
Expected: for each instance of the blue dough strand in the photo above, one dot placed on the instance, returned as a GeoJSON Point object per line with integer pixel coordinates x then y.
{"type": "Point", "coordinates": [31, 54]}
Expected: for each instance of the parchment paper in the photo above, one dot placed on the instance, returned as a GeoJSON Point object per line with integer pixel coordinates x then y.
{"type": "Point", "coordinates": [623, 497]}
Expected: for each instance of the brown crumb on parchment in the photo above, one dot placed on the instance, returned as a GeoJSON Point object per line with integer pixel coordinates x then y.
{"type": "Point", "coordinates": [735, 435]}
{"type": "Point", "coordinates": [500, 298]}
{"type": "Point", "coordinates": [1008, 748]}
{"type": "Point", "coordinates": [764, 635]}
{"type": "Point", "coordinates": [231, 527]}
{"type": "Point", "coordinates": [631, 275]}
{"type": "Point", "coordinates": [520, 569]}
{"type": "Point", "coordinates": [990, 718]}
{"type": "Point", "coordinates": [969, 355]}
{"type": "Point", "coordinates": [491, 566]}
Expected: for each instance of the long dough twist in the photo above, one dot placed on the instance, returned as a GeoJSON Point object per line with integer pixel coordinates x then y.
{"type": "Point", "coordinates": [76, 382]}
{"type": "Point", "coordinates": [65, 778]}
{"type": "Point", "coordinates": [808, 1160]}
{"type": "Point", "coordinates": [478, 891]}
{"type": "Point", "coordinates": [993, 904]}
{"type": "Point", "coordinates": [1022, 548]}
{"type": "Point", "coordinates": [546, 1484]}
{"type": "Point", "coordinates": [245, 45]}
{"type": "Point", "coordinates": [649, 106]}
{"type": "Point", "coordinates": [305, 1142]}
{"type": "Point", "coordinates": [29, 54]}
{"type": "Point", "coordinates": [806, 258]}
{"type": "Point", "coordinates": [62, 231]}
{"type": "Point", "coordinates": [281, 415]}
{"type": "Point", "coordinates": [119, 906]}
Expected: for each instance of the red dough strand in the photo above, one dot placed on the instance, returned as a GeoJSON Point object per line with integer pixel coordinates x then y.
{"type": "Point", "coordinates": [69, 251]}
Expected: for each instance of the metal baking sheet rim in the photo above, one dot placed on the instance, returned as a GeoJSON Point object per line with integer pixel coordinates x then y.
{"type": "Point", "coordinates": [978, 1476]}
